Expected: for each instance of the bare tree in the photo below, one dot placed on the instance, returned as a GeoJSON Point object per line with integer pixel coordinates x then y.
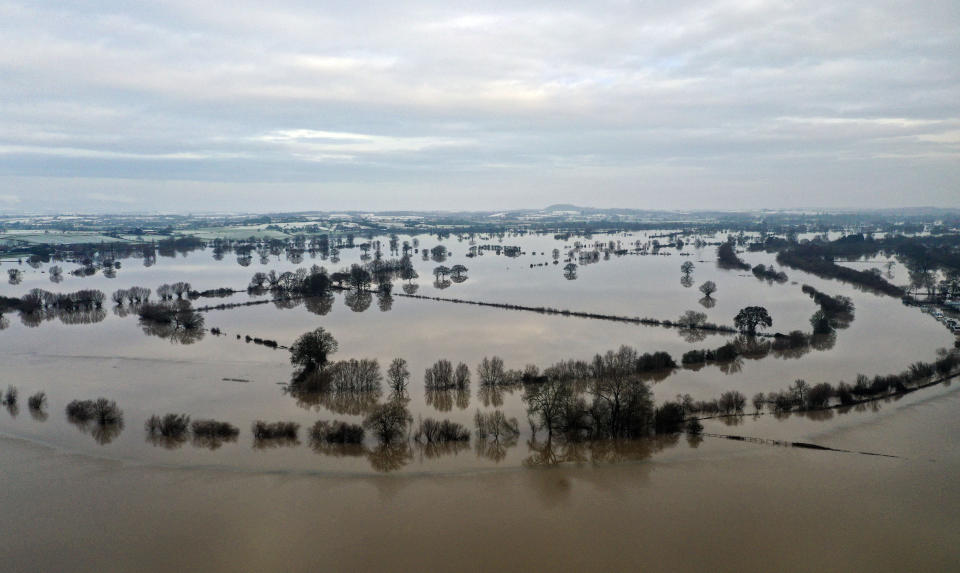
{"type": "Point", "coordinates": [398, 376]}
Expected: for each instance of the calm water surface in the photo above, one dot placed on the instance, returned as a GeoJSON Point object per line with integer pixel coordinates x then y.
{"type": "Point", "coordinates": [80, 500]}
{"type": "Point", "coordinates": [228, 379]}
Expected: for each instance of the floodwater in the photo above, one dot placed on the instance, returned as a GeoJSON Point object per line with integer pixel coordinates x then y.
{"type": "Point", "coordinates": [118, 501]}
{"type": "Point", "coordinates": [225, 378]}
{"type": "Point", "coordinates": [723, 505]}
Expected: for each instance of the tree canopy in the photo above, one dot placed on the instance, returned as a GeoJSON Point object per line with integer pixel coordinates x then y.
{"type": "Point", "coordinates": [752, 317]}
{"type": "Point", "coordinates": [312, 349]}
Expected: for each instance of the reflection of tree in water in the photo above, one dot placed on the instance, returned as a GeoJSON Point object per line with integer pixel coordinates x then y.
{"type": "Point", "coordinates": [439, 449]}
{"type": "Point", "coordinates": [167, 442]}
{"type": "Point", "coordinates": [325, 448]}
{"type": "Point", "coordinates": [85, 316]}
{"type": "Point", "coordinates": [458, 278]}
{"type": "Point", "coordinates": [556, 451]}
{"type": "Point", "coordinates": [441, 400]}
{"type": "Point", "coordinates": [686, 281]}
{"type": "Point", "coordinates": [655, 376]}
{"type": "Point", "coordinates": [102, 433]}
{"type": "Point", "coordinates": [286, 303]}
{"type": "Point", "coordinates": [320, 305]}
{"type": "Point", "coordinates": [384, 301]}
{"type": "Point", "coordinates": [347, 402]}
{"type": "Point", "coordinates": [791, 352]}
{"type": "Point", "coordinates": [551, 452]}
{"type": "Point", "coordinates": [38, 415]}
{"type": "Point", "coordinates": [694, 440]}
{"type": "Point", "coordinates": [123, 311]}
{"type": "Point", "coordinates": [441, 284]}
{"type": "Point", "coordinates": [495, 449]}
{"type": "Point", "coordinates": [390, 457]}
{"type": "Point", "coordinates": [4, 322]}
{"type": "Point", "coordinates": [313, 391]}
{"type": "Point", "coordinates": [211, 442]}
{"type": "Point", "coordinates": [735, 420]}
{"type": "Point", "coordinates": [273, 443]}
{"type": "Point", "coordinates": [751, 347]}
{"type": "Point", "coordinates": [35, 319]}
{"type": "Point", "coordinates": [358, 301]}
{"type": "Point", "coordinates": [13, 409]}
{"type": "Point", "coordinates": [707, 302]}
{"type": "Point", "coordinates": [570, 275]}
{"type": "Point", "coordinates": [171, 332]}
{"type": "Point", "coordinates": [410, 288]}
{"type": "Point", "coordinates": [613, 451]}
{"type": "Point", "coordinates": [692, 335]}
{"type": "Point", "coordinates": [818, 415]}
{"type": "Point", "coordinates": [490, 395]}
{"type": "Point", "coordinates": [823, 341]}
{"type": "Point", "coordinates": [463, 398]}
{"type": "Point", "coordinates": [731, 366]}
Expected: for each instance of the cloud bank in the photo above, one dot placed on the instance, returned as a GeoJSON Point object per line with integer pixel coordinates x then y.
{"type": "Point", "coordinates": [377, 105]}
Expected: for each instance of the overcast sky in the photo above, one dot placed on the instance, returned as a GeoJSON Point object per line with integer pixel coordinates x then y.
{"type": "Point", "coordinates": [236, 105]}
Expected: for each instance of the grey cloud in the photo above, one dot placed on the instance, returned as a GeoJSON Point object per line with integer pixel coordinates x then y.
{"type": "Point", "coordinates": [516, 104]}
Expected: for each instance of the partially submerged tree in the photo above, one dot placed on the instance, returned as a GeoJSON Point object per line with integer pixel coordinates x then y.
{"type": "Point", "coordinates": [37, 401]}
{"type": "Point", "coordinates": [750, 318]}
{"type": "Point", "coordinates": [458, 271]}
{"type": "Point", "coordinates": [439, 376]}
{"type": "Point", "coordinates": [708, 288]}
{"type": "Point", "coordinates": [311, 351]}
{"type": "Point", "coordinates": [432, 431]}
{"type": "Point", "coordinates": [336, 432]}
{"type": "Point", "coordinates": [389, 421]}
{"type": "Point", "coordinates": [398, 375]}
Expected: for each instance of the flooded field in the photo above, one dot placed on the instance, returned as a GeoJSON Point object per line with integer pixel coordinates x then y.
{"type": "Point", "coordinates": [723, 504]}
{"type": "Point", "coordinates": [111, 353]}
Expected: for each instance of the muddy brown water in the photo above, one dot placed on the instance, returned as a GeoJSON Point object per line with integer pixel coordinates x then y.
{"type": "Point", "coordinates": [88, 501]}
{"type": "Point", "coordinates": [723, 505]}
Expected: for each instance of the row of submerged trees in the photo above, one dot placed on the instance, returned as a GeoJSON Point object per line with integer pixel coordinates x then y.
{"type": "Point", "coordinates": [378, 274]}
{"type": "Point", "coordinates": [605, 398]}
{"type": "Point", "coordinates": [803, 396]}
